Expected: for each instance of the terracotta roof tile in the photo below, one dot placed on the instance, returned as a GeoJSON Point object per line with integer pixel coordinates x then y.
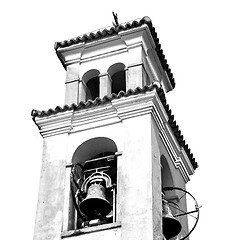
{"type": "Point", "coordinates": [98, 101]}
{"type": "Point", "coordinates": [115, 30]}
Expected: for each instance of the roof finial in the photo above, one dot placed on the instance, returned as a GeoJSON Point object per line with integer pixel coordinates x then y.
{"type": "Point", "coordinates": [115, 23]}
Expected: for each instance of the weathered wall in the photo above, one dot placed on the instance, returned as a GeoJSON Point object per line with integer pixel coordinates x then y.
{"type": "Point", "coordinates": [135, 171]}
{"type": "Point", "coordinates": [131, 125]}
{"type": "Point", "coordinates": [138, 176]}
{"type": "Point", "coordinates": [51, 190]}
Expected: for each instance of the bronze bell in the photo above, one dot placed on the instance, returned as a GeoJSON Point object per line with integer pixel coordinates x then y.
{"type": "Point", "coordinates": [171, 226]}
{"type": "Point", "coordinates": [95, 205]}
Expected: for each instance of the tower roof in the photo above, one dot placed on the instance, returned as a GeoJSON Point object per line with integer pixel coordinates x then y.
{"type": "Point", "coordinates": [114, 30]}
{"type": "Point", "coordinates": [107, 99]}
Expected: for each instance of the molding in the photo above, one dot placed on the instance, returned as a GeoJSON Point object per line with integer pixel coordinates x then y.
{"type": "Point", "coordinates": [75, 53]}
{"type": "Point", "coordinates": [92, 118]}
{"type": "Point", "coordinates": [177, 154]}
{"type": "Point", "coordinates": [116, 111]}
{"type": "Point", "coordinates": [133, 106]}
{"type": "Point", "coordinates": [80, 231]}
{"type": "Point", "coordinates": [174, 155]}
{"type": "Point", "coordinates": [103, 55]}
{"type": "Point", "coordinates": [147, 40]}
{"type": "Point", "coordinates": [55, 124]}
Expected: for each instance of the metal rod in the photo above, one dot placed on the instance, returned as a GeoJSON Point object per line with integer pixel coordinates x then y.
{"type": "Point", "coordinates": [101, 158]}
{"type": "Point", "coordinates": [114, 203]}
{"type": "Point", "coordinates": [97, 169]}
{"type": "Point", "coordinates": [185, 213]}
{"type": "Point", "coordinates": [95, 159]}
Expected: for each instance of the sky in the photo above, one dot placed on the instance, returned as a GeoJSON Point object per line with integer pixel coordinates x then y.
{"type": "Point", "coordinates": [200, 40]}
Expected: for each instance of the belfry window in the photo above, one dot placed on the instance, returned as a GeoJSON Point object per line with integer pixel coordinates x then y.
{"type": "Point", "coordinates": [94, 184]}
{"type": "Point", "coordinates": [118, 76]}
{"type": "Point", "coordinates": [91, 81]}
{"type": "Point", "coordinates": [92, 88]}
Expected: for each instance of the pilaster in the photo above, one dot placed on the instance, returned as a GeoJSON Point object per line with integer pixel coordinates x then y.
{"type": "Point", "coordinates": [105, 85]}
{"type": "Point", "coordinates": [82, 91]}
{"type": "Point", "coordinates": [72, 83]}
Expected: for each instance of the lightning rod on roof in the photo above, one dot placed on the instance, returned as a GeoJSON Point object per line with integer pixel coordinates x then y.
{"type": "Point", "coordinates": [115, 16]}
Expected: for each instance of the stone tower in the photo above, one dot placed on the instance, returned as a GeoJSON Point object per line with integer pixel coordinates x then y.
{"type": "Point", "coordinates": [114, 145]}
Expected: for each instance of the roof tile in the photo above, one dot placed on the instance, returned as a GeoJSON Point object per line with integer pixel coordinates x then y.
{"type": "Point", "coordinates": [115, 30]}
{"type": "Point", "coordinates": [99, 101]}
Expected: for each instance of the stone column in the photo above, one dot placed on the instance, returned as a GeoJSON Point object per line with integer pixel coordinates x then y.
{"type": "Point", "coordinates": [105, 85]}
{"type": "Point", "coordinates": [82, 91]}
{"type": "Point", "coordinates": [71, 92]}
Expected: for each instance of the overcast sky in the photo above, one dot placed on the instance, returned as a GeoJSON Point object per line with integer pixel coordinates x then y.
{"type": "Point", "coordinates": [201, 42]}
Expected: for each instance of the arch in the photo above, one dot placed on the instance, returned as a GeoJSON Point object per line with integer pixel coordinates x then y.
{"type": "Point", "coordinates": [118, 76]}
{"type": "Point", "coordinates": [92, 148]}
{"type": "Point", "coordinates": [90, 74]}
{"type": "Point", "coordinates": [91, 80]}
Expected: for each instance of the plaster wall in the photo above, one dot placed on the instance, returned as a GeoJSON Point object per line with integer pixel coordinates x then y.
{"type": "Point", "coordinates": [48, 222]}
{"type": "Point", "coordinates": [138, 138]}
{"type": "Point", "coordinates": [136, 170]}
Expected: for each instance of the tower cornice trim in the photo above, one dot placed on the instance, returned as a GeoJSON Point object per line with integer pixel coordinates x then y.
{"type": "Point", "coordinates": [114, 109]}
{"type": "Point", "coordinates": [177, 154]}
{"type": "Point", "coordinates": [105, 34]}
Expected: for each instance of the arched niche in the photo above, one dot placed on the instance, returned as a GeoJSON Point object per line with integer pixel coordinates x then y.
{"type": "Point", "coordinates": [118, 76]}
{"type": "Point", "coordinates": [92, 148]}
{"type": "Point", "coordinates": [95, 150]}
{"type": "Point", "coordinates": [91, 81]}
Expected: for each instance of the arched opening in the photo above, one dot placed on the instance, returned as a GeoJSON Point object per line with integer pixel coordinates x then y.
{"type": "Point", "coordinates": [94, 164]}
{"type": "Point", "coordinates": [91, 81]}
{"type": "Point", "coordinates": [92, 147]}
{"type": "Point", "coordinates": [176, 199]}
{"type": "Point", "coordinates": [167, 178]}
{"type": "Point", "coordinates": [118, 76]}
{"type": "Point", "coordinates": [167, 181]}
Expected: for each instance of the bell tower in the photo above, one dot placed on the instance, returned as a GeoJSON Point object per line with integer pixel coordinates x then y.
{"type": "Point", "coordinates": [113, 155]}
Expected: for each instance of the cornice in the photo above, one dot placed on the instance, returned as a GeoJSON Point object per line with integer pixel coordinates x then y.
{"type": "Point", "coordinates": [114, 32]}
{"type": "Point", "coordinates": [117, 111]}
{"type": "Point", "coordinates": [114, 109]}
{"type": "Point", "coordinates": [99, 116]}
{"type": "Point", "coordinates": [177, 154]}
{"type": "Point", "coordinates": [54, 124]}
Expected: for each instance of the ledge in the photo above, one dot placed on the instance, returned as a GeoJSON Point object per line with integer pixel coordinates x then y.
{"type": "Point", "coordinates": [116, 107]}
{"type": "Point", "coordinates": [103, 227]}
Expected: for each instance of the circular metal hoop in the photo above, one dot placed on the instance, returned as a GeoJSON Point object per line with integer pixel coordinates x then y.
{"type": "Point", "coordinates": [165, 189]}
